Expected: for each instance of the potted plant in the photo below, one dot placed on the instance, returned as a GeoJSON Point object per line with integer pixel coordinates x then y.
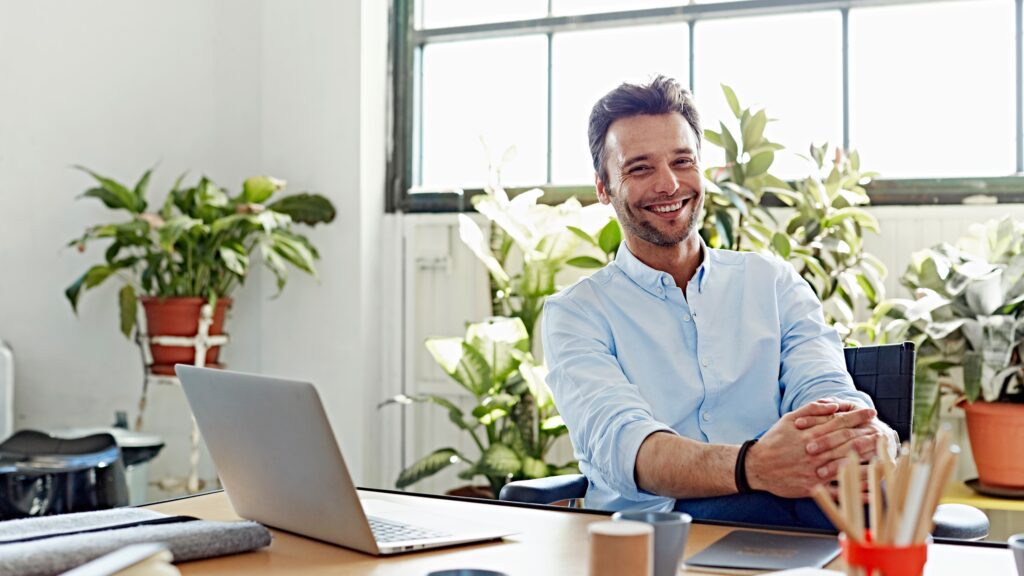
{"type": "Point", "coordinates": [967, 318]}
{"type": "Point", "coordinates": [194, 250]}
{"type": "Point", "coordinates": [514, 422]}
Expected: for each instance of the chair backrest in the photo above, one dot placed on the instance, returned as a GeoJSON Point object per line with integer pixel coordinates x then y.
{"type": "Point", "coordinates": [886, 374]}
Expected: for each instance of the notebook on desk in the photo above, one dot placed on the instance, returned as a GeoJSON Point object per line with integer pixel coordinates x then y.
{"type": "Point", "coordinates": [750, 552]}
{"type": "Point", "coordinates": [280, 465]}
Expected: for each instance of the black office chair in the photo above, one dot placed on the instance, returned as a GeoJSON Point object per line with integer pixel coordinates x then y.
{"type": "Point", "coordinates": [885, 373]}
{"type": "Point", "coordinates": [42, 475]}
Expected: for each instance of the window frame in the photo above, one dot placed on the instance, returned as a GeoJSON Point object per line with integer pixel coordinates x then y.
{"type": "Point", "coordinates": [406, 46]}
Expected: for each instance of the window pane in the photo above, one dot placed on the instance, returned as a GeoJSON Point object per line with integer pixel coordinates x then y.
{"type": "Point", "coordinates": [589, 64]}
{"type": "Point", "coordinates": [931, 89]}
{"type": "Point", "coordinates": [444, 13]}
{"type": "Point", "coordinates": [495, 90]}
{"type": "Point", "coordinates": [565, 7]}
{"type": "Point", "coordinates": [789, 65]}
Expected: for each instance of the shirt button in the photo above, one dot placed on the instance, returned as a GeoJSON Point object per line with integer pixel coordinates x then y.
{"type": "Point", "coordinates": [686, 317]}
{"type": "Point", "coordinates": [666, 280]}
{"type": "Point", "coordinates": [705, 361]}
{"type": "Point", "coordinates": [706, 417]}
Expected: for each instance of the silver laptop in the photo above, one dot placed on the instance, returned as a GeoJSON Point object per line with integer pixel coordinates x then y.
{"type": "Point", "coordinates": [280, 465]}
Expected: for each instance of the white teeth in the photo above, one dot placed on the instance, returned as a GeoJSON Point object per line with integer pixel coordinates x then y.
{"type": "Point", "coordinates": [668, 208]}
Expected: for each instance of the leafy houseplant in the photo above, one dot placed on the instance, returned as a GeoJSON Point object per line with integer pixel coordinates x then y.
{"type": "Point", "coordinates": [513, 422]}
{"type": "Point", "coordinates": [967, 317]}
{"type": "Point", "coordinates": [198, 244]}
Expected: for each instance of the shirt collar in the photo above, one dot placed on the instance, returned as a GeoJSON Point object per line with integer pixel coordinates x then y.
{"type": "Point", "coordinates": [656, 281]}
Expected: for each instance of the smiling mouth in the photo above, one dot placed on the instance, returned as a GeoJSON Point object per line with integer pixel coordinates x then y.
{"type": "Point", "coordinates": [669, 210]}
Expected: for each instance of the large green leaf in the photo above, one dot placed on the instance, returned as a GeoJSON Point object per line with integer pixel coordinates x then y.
{"type": "Point", "coordinates": [497, 342]}
{"type": "Point", "coordinates": [112, 193]}
{"type": "Point", "coordinates": [306, 208]}
{"type": "Point", "coordinates": [257, 189]}
{"type": "Point", "coordinates": [585, 262]}
{"type": "Point", "coordinates": [173, 229]}
{"type": "Point", "coordinates": [610, 237]}
{"type": "Point", "coordinates": [140, 190]}
{"type": "Point", "coordinates": [427, 466]}
{"type": "Point", "coordinates": [534, 468]}
{"type": "Point", "coordinates": [294, 251]}
{"type": "Point", "coordinates": [464, 363]}
{"type": "Point", "coordinates": [760, 163]}
{"type": "Point", "coordinates": [734, 102]}
{"type": "Point", "coordinates": [781, 244]}
{"type": "Point", "coordinates": [753, 132]}
{"type": "Point", "coordinates": [128, 304]}
{"type": "Point", "coordinates": [235, 258]}
{"type": "Point", "coordinates": [729, 143]}
{"type": "Point", "coordinates": [500, 460]}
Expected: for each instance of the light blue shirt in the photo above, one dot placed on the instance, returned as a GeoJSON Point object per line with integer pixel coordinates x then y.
{"type": "Point", "coordinates": [629, 356]}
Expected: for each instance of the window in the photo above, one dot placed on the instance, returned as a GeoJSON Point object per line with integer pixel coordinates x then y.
{"type": "Point", "coordinates": [929, 92]}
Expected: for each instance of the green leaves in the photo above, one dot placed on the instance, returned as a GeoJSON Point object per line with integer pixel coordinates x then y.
{"type": "Point", "coordinates": [310, 209]}
{"type": "Point", "coordinates": [127, 302]}
{"type": "Point", "coordinates": [427, 466]}
{"type": "Point", "coordinates": [610, 237]}
{"type": "Point", "coordinates": [201, 241]}
{"type": "Point", "coordinates": [500, 460]}
{"type": "Point", "coordinates": [258, 189]}
{"type": "Point", "coordinates": [115, 195]}
{"type": "Point", "coordinates": [730, 97]}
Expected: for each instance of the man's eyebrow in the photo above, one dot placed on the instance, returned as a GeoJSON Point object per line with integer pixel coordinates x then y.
{"type": "Point", "coordinates": [635, 159]}
{"type": "Point", "coordinates": [646, 157]}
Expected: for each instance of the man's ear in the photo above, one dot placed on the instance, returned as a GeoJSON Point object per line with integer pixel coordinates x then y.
{"type": "Point", "coordinates": [602, 191]}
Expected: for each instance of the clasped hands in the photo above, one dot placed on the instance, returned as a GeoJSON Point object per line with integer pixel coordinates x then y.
{"type": "Point", "coordinates": [806, 447]}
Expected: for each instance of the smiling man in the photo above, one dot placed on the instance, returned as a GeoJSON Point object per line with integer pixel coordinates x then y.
{"type": "Point", "coordinates": [704, 380]}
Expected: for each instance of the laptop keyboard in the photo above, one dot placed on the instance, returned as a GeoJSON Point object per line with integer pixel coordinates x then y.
{"type": "Point", "coordinates": [386, 531]}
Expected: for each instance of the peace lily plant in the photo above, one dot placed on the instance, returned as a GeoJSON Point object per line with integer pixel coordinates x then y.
{"type": "Point", "coordinates": [513, 422]}
{"type": "Point", "coordinates": [199, 243]}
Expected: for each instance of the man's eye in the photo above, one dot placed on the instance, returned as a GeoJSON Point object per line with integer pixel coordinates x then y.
{"type": "Point", "coordinates": [638, 169]}
{"type": "Point", "coordinates": [684, 161]}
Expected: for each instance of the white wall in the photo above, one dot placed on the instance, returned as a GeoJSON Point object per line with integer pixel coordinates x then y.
{"type": "Point", "coordinates": [228, 89]}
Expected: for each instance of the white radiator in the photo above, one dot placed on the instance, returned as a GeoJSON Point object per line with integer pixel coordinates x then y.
{"type": "Point", "coordinates": [6, 391]}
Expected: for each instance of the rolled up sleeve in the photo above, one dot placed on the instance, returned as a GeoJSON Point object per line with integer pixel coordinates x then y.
{"type": "Point", "coordinates": [812, 363]}
{"type": "Point", "coordinates": [607, 417]}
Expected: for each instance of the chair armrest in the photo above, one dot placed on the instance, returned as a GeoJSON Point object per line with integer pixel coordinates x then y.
{"type": "Point", "coordinates": [545, 490]}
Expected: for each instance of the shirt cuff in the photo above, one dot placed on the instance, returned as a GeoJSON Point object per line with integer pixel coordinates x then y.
{"type": "Point", "coordinates": [631, 437]}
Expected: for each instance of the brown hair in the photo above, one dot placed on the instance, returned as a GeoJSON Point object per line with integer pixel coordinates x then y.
{"type": "Point", "coordinates": [662, 96]}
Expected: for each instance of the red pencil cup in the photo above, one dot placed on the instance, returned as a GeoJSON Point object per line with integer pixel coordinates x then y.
{"type": "Point", "coordinates": [884, 560]}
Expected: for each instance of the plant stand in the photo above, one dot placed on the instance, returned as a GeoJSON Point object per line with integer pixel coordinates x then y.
{"type": "Point", "coordinates": [201, 342]}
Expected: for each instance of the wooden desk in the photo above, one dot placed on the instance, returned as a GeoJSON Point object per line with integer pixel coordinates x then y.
{"type": "Point", "coordinates": [550, 542]}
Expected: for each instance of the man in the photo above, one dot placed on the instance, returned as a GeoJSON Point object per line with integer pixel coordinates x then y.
{"type": "Point", "coordinates": [689, 377]}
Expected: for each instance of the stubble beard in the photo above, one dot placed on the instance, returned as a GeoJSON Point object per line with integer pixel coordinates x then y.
{"type": "Point", "coordinates": [647, 231]}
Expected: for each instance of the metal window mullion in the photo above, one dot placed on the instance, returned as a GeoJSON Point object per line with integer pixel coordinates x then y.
{"type": "Point", "coordinates": [845, 13]}
{"type": "Point", "coordinates": [550, 92]}
{"type": "Point", "coordinates": [647, 16]}
{"type": "Point", "coordinates": [693, 60]}
{"type": "Point", "coordinates": [1018, 59]}
{"type": "Point", "coordinates": [417, 88]}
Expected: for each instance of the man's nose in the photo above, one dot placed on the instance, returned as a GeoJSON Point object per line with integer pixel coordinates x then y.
{"type": "Point", "coordinates": [666, 181]}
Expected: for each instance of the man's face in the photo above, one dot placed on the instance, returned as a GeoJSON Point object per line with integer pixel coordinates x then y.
{"type": "Point", "coordinates": [653, 178]}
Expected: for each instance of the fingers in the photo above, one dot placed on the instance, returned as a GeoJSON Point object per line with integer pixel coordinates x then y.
{"type": "Point", "coordinates": [851, 419]}
{"type": "Point", "coordinates": [837, 444]}
{"type": "Point", "coordinates": [805, 422]}
{"type": "Point", "coordinates": [816, 408]}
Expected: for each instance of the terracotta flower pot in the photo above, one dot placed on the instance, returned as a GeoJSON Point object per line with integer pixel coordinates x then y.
{"type": "Point", "coordinates": [180, 317]}
{"type": "Point", "coordinates": [996, 430]}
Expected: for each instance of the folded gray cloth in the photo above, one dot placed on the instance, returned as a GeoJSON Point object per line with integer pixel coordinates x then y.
{"type": "Point", "coordinates": [190, 540]}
